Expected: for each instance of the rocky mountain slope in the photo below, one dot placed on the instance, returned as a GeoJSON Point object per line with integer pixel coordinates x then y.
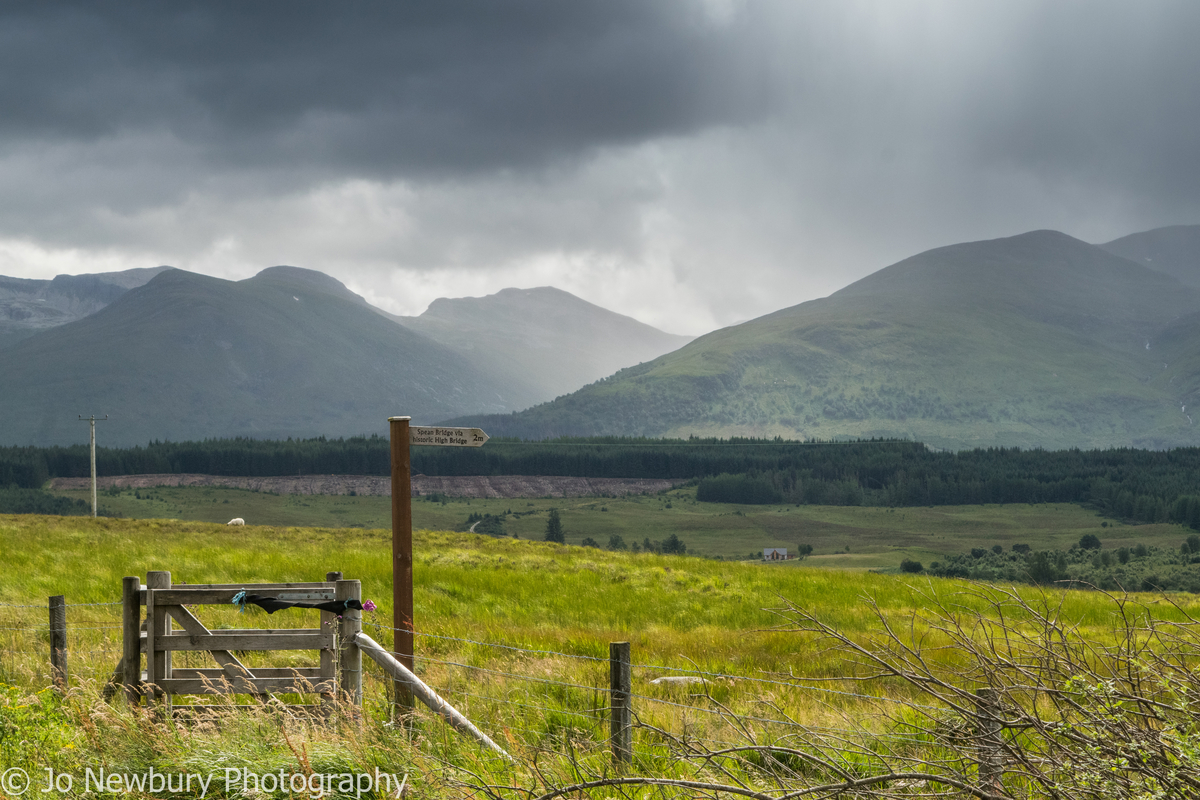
{"type": "Point", "coordinates": [29, 306]}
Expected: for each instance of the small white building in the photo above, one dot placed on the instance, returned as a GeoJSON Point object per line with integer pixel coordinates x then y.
{"type": "Point", "coordinates": [775, 554]}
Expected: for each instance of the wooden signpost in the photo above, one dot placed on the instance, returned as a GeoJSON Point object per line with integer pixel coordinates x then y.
{"type": "Point", "coordinates": [403, 436]}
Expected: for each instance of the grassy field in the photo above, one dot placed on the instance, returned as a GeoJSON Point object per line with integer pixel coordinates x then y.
{"type": "Point", "coordinates": [531, 594]}
{"type": "Point", "coordinates": [515, 633]}
{"type": "Point", "coordinates": [841, 537]}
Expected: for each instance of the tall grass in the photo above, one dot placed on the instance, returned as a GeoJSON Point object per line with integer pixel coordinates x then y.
{"type": "Point", "coordinates": [533, 674]}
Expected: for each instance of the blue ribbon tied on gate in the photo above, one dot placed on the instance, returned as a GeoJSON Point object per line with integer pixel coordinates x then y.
{"type": "Point", "coordinates": [239, 600]}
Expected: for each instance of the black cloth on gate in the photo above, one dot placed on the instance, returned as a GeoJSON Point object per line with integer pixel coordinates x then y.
{"type": "Point", "coordinates": [273, 604]}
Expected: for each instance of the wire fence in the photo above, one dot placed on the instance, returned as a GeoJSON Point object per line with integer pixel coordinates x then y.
{"type": "Point", "coordinates": [549, 695]}
{"type": "Point", "coordinates": [682, 671]}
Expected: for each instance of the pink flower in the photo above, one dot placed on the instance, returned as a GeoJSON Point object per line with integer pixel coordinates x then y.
{"type": "Point", "coordinates": [369, 606]}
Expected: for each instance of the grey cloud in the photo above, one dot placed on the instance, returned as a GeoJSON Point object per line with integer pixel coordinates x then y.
{"type": "Point", "coordinates": [751, 159]}
{"type": "Point", "coordinates": [377, 88]}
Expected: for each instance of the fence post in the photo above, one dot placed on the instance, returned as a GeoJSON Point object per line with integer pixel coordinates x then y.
{"type": "Point", "coordinates": [350, 660]}
{"type": "Point", "coordinates": [58, 642]}
{"type": "Point", "coordinates": [131, 633]}
{"type": "Point", "coordinates": [620, 677]}
{"type": "Point", "coordinates": [158, 662]}
{"type": "Point", "coordinates": [991, 753]}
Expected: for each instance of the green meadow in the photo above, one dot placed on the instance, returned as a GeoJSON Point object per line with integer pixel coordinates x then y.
{"type": "Point", "coordinates": [842, 537]}
{"type": "Point", "coordinates": [513, 632]}
{"type": "Point", "coordinates": [529, 594]}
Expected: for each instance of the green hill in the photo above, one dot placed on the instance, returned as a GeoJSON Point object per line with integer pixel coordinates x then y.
{"type": "Point", "coordinates": [530, 345]}
{"type": "Point", "coordinates": [548, 341]}
{"type": "Point", "coordinates": [1038, 340]}
{"type": "Point", "coordinates": [286, 353]}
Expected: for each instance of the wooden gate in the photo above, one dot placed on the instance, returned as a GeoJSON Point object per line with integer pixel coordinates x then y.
{"type": "Point", "coordinates": [339, 668]}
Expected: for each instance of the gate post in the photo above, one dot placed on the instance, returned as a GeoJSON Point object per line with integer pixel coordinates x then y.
{"type": "Point", "coordinates": [350, 661]}
{"type": "Point", "coordinates": [131, 637]}
{"type": "Point", "coordinates": [329, 658]}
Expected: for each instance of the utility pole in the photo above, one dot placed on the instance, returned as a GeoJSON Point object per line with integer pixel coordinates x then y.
{"type": "Point", "coordinates": [92, 420]}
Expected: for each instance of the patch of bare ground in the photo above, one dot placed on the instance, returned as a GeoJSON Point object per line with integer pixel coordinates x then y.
{"type": "Point", "coordinates": [494, 486]}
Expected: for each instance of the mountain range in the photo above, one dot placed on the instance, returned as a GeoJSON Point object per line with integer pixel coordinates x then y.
{"type": "Point", "coordinates": [1036, 340]}
{"type": "Point", "coordinates": [290, 352]}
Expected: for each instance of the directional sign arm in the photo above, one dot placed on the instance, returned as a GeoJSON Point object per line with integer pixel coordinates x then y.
{"type": "Point", "coordinates": [446, 437]}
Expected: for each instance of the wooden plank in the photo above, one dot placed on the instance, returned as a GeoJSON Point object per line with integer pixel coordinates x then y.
{"type": "Point", "coordinates": [184, 617]}
{"type": "Point", "coordinates": [261, 632]}
{"type": "Point", "coordinates": [254, 588]}
{"type": "Point", "coordinates": [310, 640]}
{"type": "Point", "coordinates": [264, 631]}
{"type": "Point", "coordinates": [217, 597]}
{"type": "Point", "coordinates": [231, 668]}
{"type": "Point", "coordinates": [212, 673]}
{"type": "Point", "coordinates": [300, 709]}
{"type": "Point", "coordinates": [257, 588]}
{"type": "Point", "coordinates": [242, 686]}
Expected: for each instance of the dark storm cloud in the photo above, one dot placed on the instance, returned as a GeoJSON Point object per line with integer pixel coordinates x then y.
{"type": "Point", "coordinates": [379, 88]}
{"type": "Point", "coordinates": [693, 162]}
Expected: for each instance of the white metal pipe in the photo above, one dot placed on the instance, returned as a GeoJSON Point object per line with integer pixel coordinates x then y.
{"type": "Point", "coordinates": [423, 693]}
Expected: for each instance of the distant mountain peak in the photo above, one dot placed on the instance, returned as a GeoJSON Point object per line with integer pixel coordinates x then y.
{"type": "Point", "coordinates": [556, 341]}
{"type": "Point", "coordinates": [299, 276]}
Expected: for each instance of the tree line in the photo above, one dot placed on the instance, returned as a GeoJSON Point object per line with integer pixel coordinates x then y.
{"type": "Point", "coordinates": [1086, 565]}
{"type": "Point", "coordinates": [1137, 485]}
{"type": "Point", "coordinates": [601, 457]}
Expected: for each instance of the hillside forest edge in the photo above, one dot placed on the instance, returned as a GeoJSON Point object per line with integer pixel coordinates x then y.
{"type": "Point", "coordinates": [1133, 486]}
{"type": "Point", "coordinates": [1129, 484]}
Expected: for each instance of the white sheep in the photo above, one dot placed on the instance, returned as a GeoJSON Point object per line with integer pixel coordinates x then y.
{"type": "Point", "coordinates": [236, 521]}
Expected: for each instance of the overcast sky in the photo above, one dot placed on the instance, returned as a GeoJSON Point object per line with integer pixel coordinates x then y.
{"type": "Point", "coordinates": [691, 164]}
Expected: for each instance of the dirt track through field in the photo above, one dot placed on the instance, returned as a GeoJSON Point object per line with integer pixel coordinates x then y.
{"type": "Point", "coordinates": [494, 486]}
